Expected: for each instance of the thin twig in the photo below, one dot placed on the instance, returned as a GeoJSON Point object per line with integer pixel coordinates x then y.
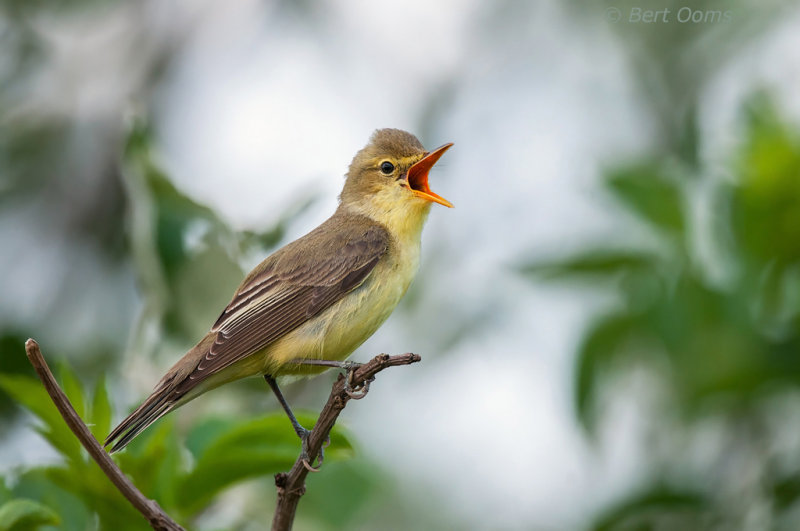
{"type": "Point", "coordinates": [291, 485]}
{"type": "Point", "coordinates": [150, 509]}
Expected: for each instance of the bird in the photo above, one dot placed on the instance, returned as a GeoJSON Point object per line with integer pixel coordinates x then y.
{"type": "Point", "coordinates": [310, 304]}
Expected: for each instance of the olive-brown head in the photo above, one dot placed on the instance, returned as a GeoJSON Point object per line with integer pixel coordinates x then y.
{"type": "Point", "coordinates": [391, 173]}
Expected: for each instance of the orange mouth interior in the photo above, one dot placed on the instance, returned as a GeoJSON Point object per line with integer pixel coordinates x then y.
{"type": "Point", "coordinates": [417, 176]}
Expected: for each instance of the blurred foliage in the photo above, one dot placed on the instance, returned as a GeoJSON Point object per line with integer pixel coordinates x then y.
{"type": "Point", "coordinates": [219, 453]}
{"type": "Point", "coordinates": [673, 59]}
{"type": "Point", "coordinates": [729, 342]}
{"type": "Point", "coordinates": [22, 514]}
{"type": "Point", "coordinates": [176, 241]}
{"type": "Point", "coordinates": [13, 363]}
{"type": "Point", "coordinates": [659, 508]}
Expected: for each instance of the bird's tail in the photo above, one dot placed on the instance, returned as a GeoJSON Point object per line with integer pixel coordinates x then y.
{"type": "Point", "coordinates": [180, 385]}
{"type": "Point", "coordinates": [168, 395]}
{"type": "Point", "coordinates": [159, 403]}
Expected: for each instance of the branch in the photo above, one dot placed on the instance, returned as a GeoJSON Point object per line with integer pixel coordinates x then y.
{"type": "Point", "coordinates": [291, 485]}
{"type": "Point", "coordinates": [150, 509]}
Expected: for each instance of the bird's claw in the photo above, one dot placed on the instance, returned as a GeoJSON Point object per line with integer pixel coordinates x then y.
{"type": "Point", "coordinates": [304, 455]}
{"type": "Point", "coordinates": [309, 467]}
{"type": "Point", "coordinates": [354, 391]}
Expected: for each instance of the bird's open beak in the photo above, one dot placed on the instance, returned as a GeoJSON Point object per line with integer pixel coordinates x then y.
{"type": "Point", "coordinates": [417, 176]}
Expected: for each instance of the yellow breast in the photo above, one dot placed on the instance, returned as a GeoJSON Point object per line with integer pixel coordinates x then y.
{"type": "Point", "coordinates": [339, 330]}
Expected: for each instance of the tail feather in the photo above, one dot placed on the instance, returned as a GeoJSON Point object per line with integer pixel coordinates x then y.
{"type": "Point", "coordinates": [176, 388]}
{"type": "Point", "coordinates": [162, 401]}
{"type": "Point", "coordinates": [134, 424]}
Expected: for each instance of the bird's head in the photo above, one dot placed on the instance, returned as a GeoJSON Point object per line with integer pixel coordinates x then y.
{"type": "Point", "coordinates": [389, 177]}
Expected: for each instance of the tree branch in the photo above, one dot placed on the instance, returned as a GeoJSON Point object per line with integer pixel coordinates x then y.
{"type": "Point", "coordinates": [291, 485]}
{"type": "Point", "coordinates": [150, 509]}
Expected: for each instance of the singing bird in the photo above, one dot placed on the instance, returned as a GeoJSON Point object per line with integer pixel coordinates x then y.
{"type": "Point", "coordinates": [311, 303]}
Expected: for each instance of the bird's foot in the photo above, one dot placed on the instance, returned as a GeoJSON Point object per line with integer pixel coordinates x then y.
{"type": "Point", "coordinates": [305, 458]}
{"type": "Point", "coordinates": [354, 390]}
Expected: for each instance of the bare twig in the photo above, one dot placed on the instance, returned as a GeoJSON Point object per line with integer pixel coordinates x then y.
{"type": "Point", "coordinates": [291, 485]}
{"type": "Point", "coordinates": [150, 509]}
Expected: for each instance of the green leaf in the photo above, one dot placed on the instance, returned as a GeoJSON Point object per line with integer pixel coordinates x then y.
{"type": "Point", "coordinates": [651, 195]}
{"type": "Point", "coordinates": [30, 394]}
{"type": "Point", "coordinates": [97, 493]}
{"type": "Point", "coordinates": [5, 492]}
{"type": "Point", "coordinates": [73, 389]}
{"type": "Point", "coordinates": [37, 484]}
{"type": "Point", "coordinates": [593, 263]}
{"type": "Point", "coordinates": [714, 351]}
{"type": "Point", "coordinates": [101, 410]}
{"type": "Point", "coordinates": [12, 352]}
{"type": "Point", "coordinates": [22, 514]}
{"type": "Point", "coordinates": [206, 431]}
{"type": "Point", "coordinates": [601, 344]}
{"type": "Point", "coordinates": [765, 204]}
{"type": "Point", "coordinates": [786, 492]}
{"type": "Point", "coordinates": [153, 460]}
{"type": "Point", "coordinates": [657, 508]}
{"type": "Point", "coordinates": [337, 497]}
{"type": "Point", "coordinates": [250, 449]}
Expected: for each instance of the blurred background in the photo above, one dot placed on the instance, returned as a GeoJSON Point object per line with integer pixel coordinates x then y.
{"type": "Point", "coordinates": [609, 319]}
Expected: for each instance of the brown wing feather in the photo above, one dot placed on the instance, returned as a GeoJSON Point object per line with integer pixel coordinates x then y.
{"type": "Point", "coordinates": [290, 290]}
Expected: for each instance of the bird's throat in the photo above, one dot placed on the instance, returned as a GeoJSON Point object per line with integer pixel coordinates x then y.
{"type": "Point", "coordinates": [404, 221]}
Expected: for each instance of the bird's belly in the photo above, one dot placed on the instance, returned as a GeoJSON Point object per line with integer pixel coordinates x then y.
{"type": "Point", "coordinates": [338, 331]}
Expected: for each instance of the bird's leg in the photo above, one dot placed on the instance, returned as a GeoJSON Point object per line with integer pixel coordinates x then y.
{"type": "Point", "coordinates": [298, 428]}
{"type": "Point", "coordinates": [356, 392]}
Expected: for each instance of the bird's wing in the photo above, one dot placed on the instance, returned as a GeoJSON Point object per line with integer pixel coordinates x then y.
{"type": "Point", "coordinates": [290, 290]}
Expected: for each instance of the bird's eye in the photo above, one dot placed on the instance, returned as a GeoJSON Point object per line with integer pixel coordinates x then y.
{"type": "Point", "coordinates": [387, 168]}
